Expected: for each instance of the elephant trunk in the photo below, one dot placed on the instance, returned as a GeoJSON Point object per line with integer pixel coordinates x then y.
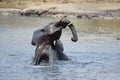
{"type": "Point", "coordinates": [75, 37]}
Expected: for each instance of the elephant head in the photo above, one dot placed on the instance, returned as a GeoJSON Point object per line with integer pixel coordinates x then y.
{"type": "Point", "coordinates": [64, 23]}
{"type": "Point", "coordinates": [53, 32]}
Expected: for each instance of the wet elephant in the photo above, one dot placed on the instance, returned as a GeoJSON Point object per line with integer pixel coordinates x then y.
{"type": "Point", "coordinates": [47, 41]}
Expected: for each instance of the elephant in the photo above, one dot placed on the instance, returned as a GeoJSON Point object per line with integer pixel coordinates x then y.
{"type": "Point", "coordinates": [47, 41]}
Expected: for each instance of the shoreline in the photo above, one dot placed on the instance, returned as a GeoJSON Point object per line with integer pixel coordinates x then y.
{"type": "Point", "coordinates": [60, 10]}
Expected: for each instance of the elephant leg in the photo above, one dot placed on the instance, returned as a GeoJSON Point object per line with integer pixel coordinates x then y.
{"type": "Point", "coordinates": [52, 55]}
{"type": "Point", "coordinates": [62, 56]}
{"type": "Point", "coordinates": [38, 54]}
{"type": "Point", "coordinates": [36, 58]}
{"type": "Point", "coordinates": [45, 53]}
{"type": "Point", "coordinates": [59, 48]}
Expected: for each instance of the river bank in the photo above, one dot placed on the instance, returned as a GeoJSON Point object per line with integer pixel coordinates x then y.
{"type": "Point", "coordinates": [80, 11]}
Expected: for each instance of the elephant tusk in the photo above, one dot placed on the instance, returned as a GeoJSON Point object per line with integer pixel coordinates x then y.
{"type": "Point", "coordinates": [51, 30]}
{"type": "Point", "coordinates": [69, 24]}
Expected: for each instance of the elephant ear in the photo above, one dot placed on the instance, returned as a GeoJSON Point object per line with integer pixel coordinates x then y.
{"type": "Point", "coordinates": [39, 37]}
{"type": "Point", "coordinates": [35, 40]}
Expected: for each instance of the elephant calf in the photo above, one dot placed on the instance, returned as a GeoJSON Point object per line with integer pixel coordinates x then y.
{"type": "Point", "coordinates": [47, 41]}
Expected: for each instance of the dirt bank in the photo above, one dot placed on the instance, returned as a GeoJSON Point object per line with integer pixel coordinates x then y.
{"type": "Point", "coordinates": [69, 10]}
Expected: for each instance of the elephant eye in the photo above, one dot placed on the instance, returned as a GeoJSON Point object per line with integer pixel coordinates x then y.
{"type": "Point", "coordinates": [42, 30]}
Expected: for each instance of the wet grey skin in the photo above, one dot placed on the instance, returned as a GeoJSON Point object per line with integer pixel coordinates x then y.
{"type": "Point", "coordinates": [47, 41]}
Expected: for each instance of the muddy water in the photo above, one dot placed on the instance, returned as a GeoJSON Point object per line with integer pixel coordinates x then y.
{"type": "Point", "coordinates": [96, 56]}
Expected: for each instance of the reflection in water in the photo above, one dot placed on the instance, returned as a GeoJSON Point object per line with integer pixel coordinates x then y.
{"type": "Point", "coordinates": [95, 56]}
